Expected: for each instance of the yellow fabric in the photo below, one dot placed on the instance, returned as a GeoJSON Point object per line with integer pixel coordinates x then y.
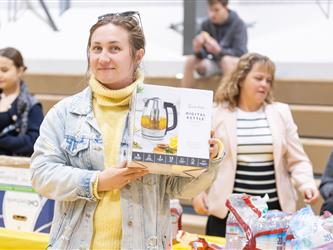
{"type": "Point", "coordinates": [95, 191]}
{"type": "Point", "coordinates": [209, 239]}
{"type": "Point", "coordinates": [114, 98]}
{"type": "Point", "coordinates": [13, 239]}
{"type": "Point", "coordinates": [110, 110]}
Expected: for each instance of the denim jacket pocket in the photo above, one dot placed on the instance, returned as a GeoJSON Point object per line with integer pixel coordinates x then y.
{"type": "Point", "coordinates": [77, 148]}
{"type": "Point", "coordinates": [74, 144]}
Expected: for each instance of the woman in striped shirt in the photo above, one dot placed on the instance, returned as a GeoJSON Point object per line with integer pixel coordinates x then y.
{"type": "Point", "coordinates": [264, 152]}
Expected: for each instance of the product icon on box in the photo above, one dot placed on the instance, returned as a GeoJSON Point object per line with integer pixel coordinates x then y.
{"type": "Point", "coordinates": [169, 129]}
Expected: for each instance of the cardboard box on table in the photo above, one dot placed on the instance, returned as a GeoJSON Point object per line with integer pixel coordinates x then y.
{"type": "Point", "coordinates": [170, 128]}
{"type": "Point", "coordinates": [21, 208]}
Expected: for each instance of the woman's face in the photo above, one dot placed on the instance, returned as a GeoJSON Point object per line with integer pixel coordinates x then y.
{"type": "Point", "coordinates": [110, 57]}
{"type": "Point", "coordinates": [255, 87]}
{"type": "Point", "coordinates": [9, 75]}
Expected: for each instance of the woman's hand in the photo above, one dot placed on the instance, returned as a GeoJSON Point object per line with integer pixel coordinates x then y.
{"type": "Point", "coordinates": [213, 146]}
{"type": "Point", "coordinates": [199, 204]}
{"type": "Point", "coordinates": [118, 176]}
{"type": "Point", "coordinates": [310, 195]}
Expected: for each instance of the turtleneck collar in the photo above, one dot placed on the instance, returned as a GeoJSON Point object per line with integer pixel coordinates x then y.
{"type": "Point", "coordinates": [111, 97]}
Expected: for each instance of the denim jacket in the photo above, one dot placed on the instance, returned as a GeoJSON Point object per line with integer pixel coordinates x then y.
{"type": "Point", "coordinates": [67, 158]}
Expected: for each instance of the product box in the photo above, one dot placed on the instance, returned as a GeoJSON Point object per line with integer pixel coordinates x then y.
{"type": "Point", "coordinates": [21, 208]}
{"type": "Point", "coordinates": [170, 128]}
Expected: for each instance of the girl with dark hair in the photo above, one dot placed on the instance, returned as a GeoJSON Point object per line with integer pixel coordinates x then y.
{"type": "Point", "coordinates": [20, 113]}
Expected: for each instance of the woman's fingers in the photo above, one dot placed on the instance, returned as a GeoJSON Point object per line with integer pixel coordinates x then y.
{"type": "Point", "coordinates": [136, 175]}
{"type": "Point", "coordinates": [118, 176]}
{"type": "Point", "coordinates": [133, 176]}
{"type": "Point", "coordinates": [134, 164]}
{"type": "Point", "coordinates": [134, 171]}
{"type": "Point", "coordinates": [200, 205]}
{"type": "Point", "coordinates": [213, 149]}
{"type": "Point", "coordinates": [310, 195]}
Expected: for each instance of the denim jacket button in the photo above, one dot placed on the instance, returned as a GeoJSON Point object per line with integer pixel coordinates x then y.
{"type": "Point", "coordinates": [152, 241]}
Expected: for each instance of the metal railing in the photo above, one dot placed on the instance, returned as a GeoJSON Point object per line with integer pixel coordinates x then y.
{"type": "Point", "coordinates": [14, 7]}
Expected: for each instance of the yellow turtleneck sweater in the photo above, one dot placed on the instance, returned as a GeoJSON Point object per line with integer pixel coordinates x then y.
{"type": "Point", "coordinates": [110, 109]}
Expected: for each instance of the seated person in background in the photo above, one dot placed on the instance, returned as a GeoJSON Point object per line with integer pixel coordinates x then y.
{"type": "Point", "coordinates": [264, 152]}
{"type": "Point", "coordinates": [221, 40]}
{"type": "Point", "coordinates": [20, 113]}
{"type": "Point", "coordinates": [326, 186]}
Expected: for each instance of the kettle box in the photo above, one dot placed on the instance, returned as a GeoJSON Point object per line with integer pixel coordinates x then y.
{"type": "Point", "coordinates": [21, 208]}
{"type": "Point", "coordinates": [170, 128]}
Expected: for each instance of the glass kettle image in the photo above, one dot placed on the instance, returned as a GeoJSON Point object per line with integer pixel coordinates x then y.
{"type": "Point", "coordinates": [155, 117]}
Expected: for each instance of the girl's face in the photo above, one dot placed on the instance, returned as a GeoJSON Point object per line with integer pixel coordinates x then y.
{"type": "Point", "coordinates": [255, 87]}
{"type": "Point", "coordinates": [110, 57]}
{"type": "Point", "coordinates": [9, 75]}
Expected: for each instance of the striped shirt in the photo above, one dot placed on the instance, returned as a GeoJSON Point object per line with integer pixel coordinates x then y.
{"type": "Point", "coordinates": [255, 165]}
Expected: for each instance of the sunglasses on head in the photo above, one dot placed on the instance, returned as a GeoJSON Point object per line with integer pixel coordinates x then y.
{"type": "Point", "coordinates": [125, 14]}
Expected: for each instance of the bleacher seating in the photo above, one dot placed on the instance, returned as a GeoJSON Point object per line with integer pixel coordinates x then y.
{"type": "Point", "coordinates": [310, 101]}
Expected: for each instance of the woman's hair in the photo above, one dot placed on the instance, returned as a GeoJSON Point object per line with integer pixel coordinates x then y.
{"type": "Point", "coordinates": [130, 23]}
{"type": "Point", "coordinates": [14, 55]}
{"type": "Point", "coordinates": [229, 90]}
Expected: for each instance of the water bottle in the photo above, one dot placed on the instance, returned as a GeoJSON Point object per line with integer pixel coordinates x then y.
{"type": "Point", "coordinates": [176, 211]}
{"type": "Point", "coordinates": [235, 237]}
{"type": "Point", "coordinates": [280, 245]}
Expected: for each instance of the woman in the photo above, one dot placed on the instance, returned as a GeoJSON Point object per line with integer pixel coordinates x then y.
{"type": "Point", "coordinates": [20, 113]}
{"type": "Point", "coordinates": [79, 158]}
{"type": "Point", "coordinates": [264, 152]}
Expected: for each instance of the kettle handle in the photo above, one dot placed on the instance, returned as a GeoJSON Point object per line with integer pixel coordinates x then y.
{"type": "Point", "coordinates": [174, 112]}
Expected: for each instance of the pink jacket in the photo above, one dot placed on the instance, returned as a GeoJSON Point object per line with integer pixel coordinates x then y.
{"type": "Point", "coordinates": [292, 167]}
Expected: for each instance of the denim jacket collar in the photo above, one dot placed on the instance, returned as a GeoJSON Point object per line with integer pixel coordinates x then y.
{"type": "Point", "coordinates": [80, 105]}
